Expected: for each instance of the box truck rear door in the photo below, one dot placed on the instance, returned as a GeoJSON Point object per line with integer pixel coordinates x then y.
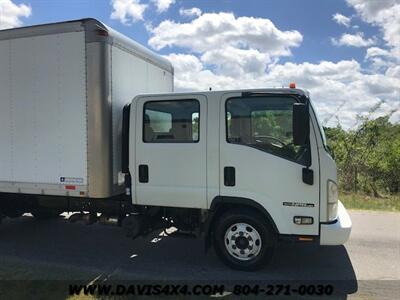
{"type": "Point", "coordinates": [170, 166]}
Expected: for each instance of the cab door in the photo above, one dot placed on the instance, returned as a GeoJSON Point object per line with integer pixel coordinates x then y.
{"type": "Point", "coordinates": [171, 151]}
{"type": "Point", "coordinates": [258, 160]}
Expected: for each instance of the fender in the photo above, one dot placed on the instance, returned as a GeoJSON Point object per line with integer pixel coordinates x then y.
{"type": "Point", "coordinates": [224, 201]}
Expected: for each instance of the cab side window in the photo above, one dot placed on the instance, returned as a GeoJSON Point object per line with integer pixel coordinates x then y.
{"type": "Point", "coordinates": [172, 121]}
{"type": "Point", "coordinates": [264, 123]}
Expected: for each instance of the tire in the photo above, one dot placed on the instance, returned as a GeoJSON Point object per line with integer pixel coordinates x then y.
{"type": "Point", "coordinates": [13, 214]}
{"type": "Point", "coordinates": [244, 240]}
{"type": "Point", "coordinates": [45, 214]}
{"type": "Point", "coordinates": [133, 225]}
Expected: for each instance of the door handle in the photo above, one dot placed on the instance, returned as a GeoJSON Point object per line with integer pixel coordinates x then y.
{"type": "Point", "coordinates": [229, 176]}
{"type": "Point", "coordinates": [143, 173]}
{"type": "Point", "coordinates": [308, 176]}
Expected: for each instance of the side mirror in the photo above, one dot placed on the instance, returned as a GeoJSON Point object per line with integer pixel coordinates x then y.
{"type": "Point", "coordinates": [301, 124]}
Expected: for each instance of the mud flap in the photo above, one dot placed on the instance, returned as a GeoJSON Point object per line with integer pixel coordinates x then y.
{"type": "Point", "coordinates": [207, 231]}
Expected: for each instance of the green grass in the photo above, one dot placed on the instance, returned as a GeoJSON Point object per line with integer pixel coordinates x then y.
{"type": "Point", "coordinates": [365, 202]}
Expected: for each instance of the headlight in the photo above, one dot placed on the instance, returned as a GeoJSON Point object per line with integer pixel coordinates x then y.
{"type": "Point", "coordinates": [333, 196]}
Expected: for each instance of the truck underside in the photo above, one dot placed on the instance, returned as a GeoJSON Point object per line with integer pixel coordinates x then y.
{"type": "Point", "coordinates": [140, 220]}
{"type": "Point", "coordinates": [135, 219]}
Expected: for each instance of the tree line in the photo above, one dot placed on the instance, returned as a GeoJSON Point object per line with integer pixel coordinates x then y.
{"type": "Point", "coordinates": [367, 157]}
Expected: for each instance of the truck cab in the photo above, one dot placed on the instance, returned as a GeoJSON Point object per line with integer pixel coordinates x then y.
{"type": "Point", "coordinates": [244, 168]}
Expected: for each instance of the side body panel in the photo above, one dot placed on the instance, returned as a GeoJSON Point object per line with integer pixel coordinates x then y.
{"type": "Point", "coordinates": [43, 113]}
{"type": "Point", "coordinates": [130, 75]}
{"type": "Point", "coordinates": [63, 87]}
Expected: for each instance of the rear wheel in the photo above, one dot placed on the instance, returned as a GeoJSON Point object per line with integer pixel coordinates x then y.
{"type": "Point", "coordinates": [244, 240]}
{"type": "Point", "coordinates": [45, 214]}
{"type": "Point", "coordinates": [133, 225]}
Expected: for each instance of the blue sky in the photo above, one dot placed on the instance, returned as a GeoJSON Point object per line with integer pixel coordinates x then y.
{"type": "Point", "coordinates": [346, 52]}
{"type": "Point", "coordinates": [309, 17]}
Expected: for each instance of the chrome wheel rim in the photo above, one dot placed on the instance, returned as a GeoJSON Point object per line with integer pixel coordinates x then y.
{"type": "Point", "coordinates": [242, 241]}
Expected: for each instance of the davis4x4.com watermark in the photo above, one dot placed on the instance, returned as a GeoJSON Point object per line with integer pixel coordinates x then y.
{"type": "Point", "coordinates": [200, 290]}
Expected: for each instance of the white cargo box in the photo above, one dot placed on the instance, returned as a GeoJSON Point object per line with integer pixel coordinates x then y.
{"type": "Point", "coordinates": [63, 87]}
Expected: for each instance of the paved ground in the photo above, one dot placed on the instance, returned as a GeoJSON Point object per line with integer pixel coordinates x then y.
{"type": "Point", "coordinates": [368, 267]}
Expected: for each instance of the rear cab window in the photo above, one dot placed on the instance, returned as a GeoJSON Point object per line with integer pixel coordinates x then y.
{"type": "Point", "coordinates": [171, 121]}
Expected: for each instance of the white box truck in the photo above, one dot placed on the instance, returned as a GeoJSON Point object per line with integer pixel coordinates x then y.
{"type": "Point", "coordinates": [244, 169]}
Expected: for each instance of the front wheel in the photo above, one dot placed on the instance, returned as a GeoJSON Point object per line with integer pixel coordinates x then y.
{"type": "Point", "coordinates": [244, 240]}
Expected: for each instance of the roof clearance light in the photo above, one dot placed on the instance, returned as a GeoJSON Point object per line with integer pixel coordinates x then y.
{"type": "Point", "coordinates": [292, 85]}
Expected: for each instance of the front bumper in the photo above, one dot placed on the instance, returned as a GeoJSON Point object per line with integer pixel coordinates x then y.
{"type": "Point", "coordinates": [337, 233]}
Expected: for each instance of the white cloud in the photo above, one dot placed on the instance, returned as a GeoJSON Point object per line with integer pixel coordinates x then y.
{"type": "Point", "coordinates": [353, 40]}
{"type": "Point", "coordinates": [128, 11]}
{"type": "Point", "coordinates": [220, 30]}
{"type": "Point", "coordinates": [190, 12]}
{"type": "Point", "coordinates": [191, 75]}
{"type": "Point", "coordinates": [386, 15]}
{"type": "Point", "coordinates": [185, 63]}
{"type": "Point", "coordinates": [225, 49]}
{"type": "Point", "coordinates": [371, 8]}
{"type": "Point", "coordinates": [237, 62]}
{"type": "Point", "coordinates": [393, 71]}
{"type": "Point", "coordinates": [341, 19]}
{"type": "Point", "coordinates": [233, 47]}
{"type": "Point", "coordinates": [228, 52]}
{"type": "Point", "coordinates": [331, 84]}
{"type": "Point", "coordinates": [380, 59]}
{"type": "Point", "coordinates": [375, 51]}
{"type": "Point", "coordinates": [163, 5]}
{"type": "Point", "coordinates": [11, 14]}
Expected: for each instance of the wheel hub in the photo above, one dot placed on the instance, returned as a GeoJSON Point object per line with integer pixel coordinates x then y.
{"type": "Point", "coordinates": [242, 241]}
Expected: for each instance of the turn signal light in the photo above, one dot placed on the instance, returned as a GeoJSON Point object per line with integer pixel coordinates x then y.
{"type": "Point", "coordinates": [298, 220]}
